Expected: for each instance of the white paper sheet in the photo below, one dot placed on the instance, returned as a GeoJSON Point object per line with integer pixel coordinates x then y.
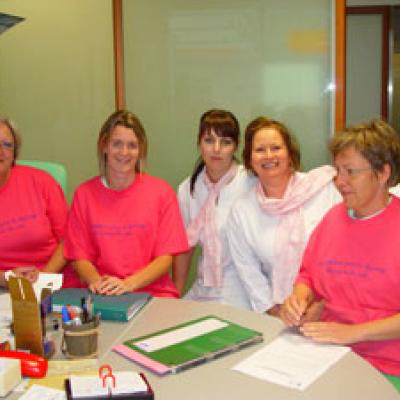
{"type": "Point", "coordinates": [44, 280]}
{"type": "Point", "coordinates": [5, 309]}
{"type": "Point", "coordinates": [291, 360]}
{"type": "Point", "coordinates": [37, 392]}
{"type": "Point", "coordinates": [47, 280]}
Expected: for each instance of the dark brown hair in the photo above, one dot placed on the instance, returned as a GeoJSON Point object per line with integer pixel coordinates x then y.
{"type": "Point", "coordinates": [224, 124]}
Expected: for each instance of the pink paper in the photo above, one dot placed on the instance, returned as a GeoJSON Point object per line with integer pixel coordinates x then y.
{"type": "Point", "coordinates": [141, 359]}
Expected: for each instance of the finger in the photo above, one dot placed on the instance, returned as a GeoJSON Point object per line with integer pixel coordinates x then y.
{"type": "Point", "coordinates": [94, 287]}
{"type": "Point", "coordinates": [115, 291]}
{"type": "Point", "coordinates": [293, 311]}
{"type": "Point", "coordinates": [318, 326]}
{"type": "Point", "coordinates": [116, 288]}
{"type": "Point", "coordinates": [110, 286]}
{"type": "Point", "coordinates": [288, 317]}
{"type": "Point", "coordinates": [31, 278]}
{"type": "Point", "coordinates": [325, 339]}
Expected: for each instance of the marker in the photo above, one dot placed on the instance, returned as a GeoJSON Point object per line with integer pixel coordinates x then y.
{"type": "Point", "coordinates": [65, 315]}
{"type": "Point", "coordinates": [72, 312]}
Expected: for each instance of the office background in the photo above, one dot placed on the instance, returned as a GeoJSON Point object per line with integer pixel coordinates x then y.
{"type": "Point", "coordinates": [252, 57]}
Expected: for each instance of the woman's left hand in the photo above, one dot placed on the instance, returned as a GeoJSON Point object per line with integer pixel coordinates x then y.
{"type": "Point", "coordinates": [332, 332]}
{"type": "Point", "coordinates": [111, 285]}
{"type": "Point", "coordinates": [274, 311]}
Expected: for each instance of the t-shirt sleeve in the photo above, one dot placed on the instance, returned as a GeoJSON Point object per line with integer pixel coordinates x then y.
{"type": "Point", "coordinates": [56, 206]}
{"type": "Point", "coordinates": [171, 234]}
{"type": "Point", "coordinates": [307, 270]}
{"type": "Point", "coordinates": [78, 243]}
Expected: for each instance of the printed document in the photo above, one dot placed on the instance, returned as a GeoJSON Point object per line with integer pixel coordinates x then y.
{"type": "Point", "coordinates": [292, 360]}
{"type": "Point", "coordinates": [47, 280]}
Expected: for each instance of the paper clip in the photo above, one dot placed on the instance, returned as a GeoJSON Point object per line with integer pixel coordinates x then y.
{"type": "Point", "coordinates": [105, 375]}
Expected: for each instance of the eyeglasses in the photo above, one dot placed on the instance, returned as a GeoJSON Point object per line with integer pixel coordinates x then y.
{"type": "Point", "coordinates": [350, 172]}
{"type": "Point", "coordinates": [6, 145]}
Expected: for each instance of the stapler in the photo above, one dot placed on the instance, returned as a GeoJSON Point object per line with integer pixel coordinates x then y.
{"type": "Point", "coordinates": [32, 365]}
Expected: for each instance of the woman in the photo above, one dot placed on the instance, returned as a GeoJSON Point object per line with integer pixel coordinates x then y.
{"type": "Point", "coordinates": [270, 225]}
{"type": "Point", "coordinates": [124, 225]}
{"type": "Point", "coordinates": [33, 214]}
{"type": "Point", "coordinates": [352, 260]}
{"type": "Point", "coordinates": [205, 199]}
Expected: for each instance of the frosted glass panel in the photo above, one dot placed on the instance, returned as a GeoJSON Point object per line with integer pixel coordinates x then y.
{"type": "Point", "coordinates": [363, 68]}
{"type": "Point", "coordinates": [253, 58]}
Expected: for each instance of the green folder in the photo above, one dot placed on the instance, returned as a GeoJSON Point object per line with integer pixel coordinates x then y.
{"type": "Point", "coordinates": [110, 308]}
{"type": "Point", "coordinates": [189, 344]}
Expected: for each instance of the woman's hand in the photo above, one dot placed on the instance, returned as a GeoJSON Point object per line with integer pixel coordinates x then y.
{"type": "Point", "coordinates": [332, 332]}
{"type": "Point", "coordinates": [313, 312]}
{"type": "Point", "coordinates": [29, 273]}
{"type": "Point", "coordinates": [293, 310]}
{"type": "Point", "coordinates": [274, 311]}
{"type": "Point", "coordinates": [109, 285]}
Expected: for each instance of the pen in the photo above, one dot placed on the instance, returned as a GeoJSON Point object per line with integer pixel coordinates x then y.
{"type": "Point", "coordinates": [85, 314]}
{"type": "Point", "coordinates": [89, 307]}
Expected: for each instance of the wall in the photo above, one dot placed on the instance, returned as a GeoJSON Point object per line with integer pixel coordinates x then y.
{"type": "Point", "coordinates": [56, 74]}
{"type": "Point", "coordinates": [56, 79]}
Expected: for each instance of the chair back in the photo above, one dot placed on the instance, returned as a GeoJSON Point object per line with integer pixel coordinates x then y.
{"type": "Point", "coordinates": [57, 171]}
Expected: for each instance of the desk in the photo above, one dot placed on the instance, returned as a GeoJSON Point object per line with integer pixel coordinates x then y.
{"type": "Point", "coordinates": [350, 378]}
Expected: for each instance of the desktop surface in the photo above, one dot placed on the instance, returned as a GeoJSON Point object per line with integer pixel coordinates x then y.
{"type": "Point", "coordinates": [350, 378]}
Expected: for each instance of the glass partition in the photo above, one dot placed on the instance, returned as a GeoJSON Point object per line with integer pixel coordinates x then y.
{"type": "Point", "coordinates": [265, 57]}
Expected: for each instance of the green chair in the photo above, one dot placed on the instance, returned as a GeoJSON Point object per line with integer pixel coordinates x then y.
{"type": "Point", "coordinates": [57, 171]}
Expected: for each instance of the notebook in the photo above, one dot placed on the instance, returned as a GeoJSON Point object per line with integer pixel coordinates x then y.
{"type": "Point", "coordinates": [189, 344]}
{"type": "Point", "coordinates": [111, 308]}
{"type": "Point", "coordinates": [123, 385]}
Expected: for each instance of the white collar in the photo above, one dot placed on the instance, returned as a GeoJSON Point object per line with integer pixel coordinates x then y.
{"type": "Point", "coordinates": [351, 213]}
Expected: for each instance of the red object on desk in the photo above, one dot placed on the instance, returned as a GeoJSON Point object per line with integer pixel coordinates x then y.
{"type": "Point", "coordinates": [108, 374]}
{"type": "Point", "coordinates": [31, 365]}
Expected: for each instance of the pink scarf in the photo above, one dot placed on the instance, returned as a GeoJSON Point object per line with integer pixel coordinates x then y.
{"type": "Point", "coordinates": [290, 239]}
{"type": "Point", "coordinates": [205, 226]}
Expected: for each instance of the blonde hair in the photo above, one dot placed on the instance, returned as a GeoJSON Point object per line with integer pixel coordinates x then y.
{"type": "Point", "coordinates": [376, 141]}
{"type": "Point", "coordinates": [128, 120]}
{"type": "Point", "coordinates": [17, 141]}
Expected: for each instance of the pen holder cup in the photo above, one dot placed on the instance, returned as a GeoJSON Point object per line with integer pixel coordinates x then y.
{"type": "Point", "coordinates": [80, 341]}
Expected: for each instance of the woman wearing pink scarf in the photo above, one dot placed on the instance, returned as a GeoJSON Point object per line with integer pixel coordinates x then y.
{"type": "Point", "coordinates": [205, 200]}
{"type": "Point", "coordinates": [269, 226]}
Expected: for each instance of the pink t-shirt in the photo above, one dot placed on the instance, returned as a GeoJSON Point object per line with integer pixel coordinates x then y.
{"type": "Point", "coordinates": [33, 215]}
{"type": "Point", "coordinates": [121, 232]}
{"type": "Point", "coordinates": [355, 266]}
